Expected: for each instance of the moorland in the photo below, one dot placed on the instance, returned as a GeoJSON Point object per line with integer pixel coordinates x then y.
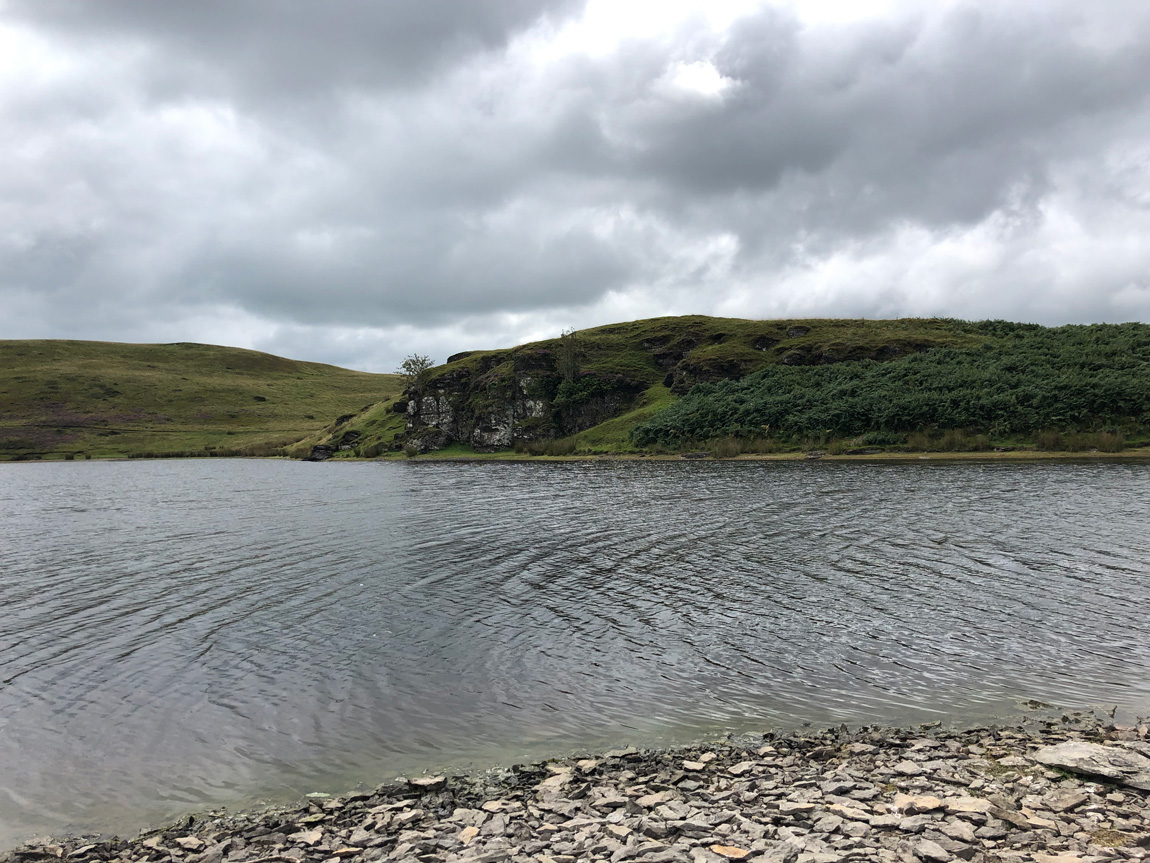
{"type": "Point", "coordinates": [723, 387]}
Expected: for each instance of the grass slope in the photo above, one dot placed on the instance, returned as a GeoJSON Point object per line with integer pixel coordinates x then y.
{"type": "Point", "coordinates": [103, 399]}
{"type": "Point", "coordinates": [697, 346]}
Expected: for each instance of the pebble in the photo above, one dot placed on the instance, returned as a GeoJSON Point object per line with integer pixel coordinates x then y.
{"type": "Point", "coordinates": [923, 795]}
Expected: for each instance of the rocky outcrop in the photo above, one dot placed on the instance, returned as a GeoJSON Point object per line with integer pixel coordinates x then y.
{"type": "Point", "coordinates": [507, 397]}
{"type": "Point", "coordinates": [920, 795]}
{"type": "Point", "coordinates": [496, 399]}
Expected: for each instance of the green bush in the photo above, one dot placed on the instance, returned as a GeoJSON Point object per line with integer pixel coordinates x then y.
{"type": "Point", "coordinates": [1028, 380]}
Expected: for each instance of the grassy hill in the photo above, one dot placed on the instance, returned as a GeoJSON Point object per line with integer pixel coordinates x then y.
{"type": "Point", "coordinates": [659, 385]}
{"type": "Point", "coordinates": [730, 386]}
{"type": "Point", "coordinates": [102, 399]}
{"type": "Point", "coordinates": [624, 375]}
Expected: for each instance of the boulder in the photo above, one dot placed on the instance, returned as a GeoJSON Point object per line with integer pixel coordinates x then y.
{"type": "Point", "coordinates": [1114, 763]}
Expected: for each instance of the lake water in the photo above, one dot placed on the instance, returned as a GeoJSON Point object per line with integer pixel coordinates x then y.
{"type": "Point", "coordinates": [180, 635]}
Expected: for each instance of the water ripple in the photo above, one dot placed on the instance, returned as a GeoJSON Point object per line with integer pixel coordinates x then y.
{"type": "Point", "coordinates": [184, 634]}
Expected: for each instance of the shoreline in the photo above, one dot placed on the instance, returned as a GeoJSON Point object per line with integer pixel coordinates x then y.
{"type": "Point", "coordinates": [1013, 455]}
{"type": "Point", "coordinates": [1141, 454]}
{"type": "Point", "coordinates": [919, 794]}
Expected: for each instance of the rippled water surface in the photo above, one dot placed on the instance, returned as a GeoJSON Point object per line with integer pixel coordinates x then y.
{"type": "Point", "coordinates": [179, 635]}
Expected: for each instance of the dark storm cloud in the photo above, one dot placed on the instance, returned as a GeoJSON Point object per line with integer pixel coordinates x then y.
{"type": "Point", "coordinates": [353, 173]}
{"type": "Point", "coordinates": [271, 49]}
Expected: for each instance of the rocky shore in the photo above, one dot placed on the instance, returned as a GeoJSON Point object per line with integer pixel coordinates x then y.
{"type": "Point", "coordinates": [1049, 791]}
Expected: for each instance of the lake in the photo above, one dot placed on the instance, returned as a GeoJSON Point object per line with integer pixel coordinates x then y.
{"type": "Point", "coordinates": [181, 635]}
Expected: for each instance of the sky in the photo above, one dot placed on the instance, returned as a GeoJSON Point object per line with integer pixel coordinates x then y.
{"type": "Point", "coordinates": [351, 182]}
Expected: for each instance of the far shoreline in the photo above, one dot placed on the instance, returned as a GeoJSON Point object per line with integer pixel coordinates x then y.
{"type": "Point", "coordinates": [1015, 455]}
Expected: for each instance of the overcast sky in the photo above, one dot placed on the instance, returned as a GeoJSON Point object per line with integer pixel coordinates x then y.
{"type": "Point", "coordinates": [352, 181]}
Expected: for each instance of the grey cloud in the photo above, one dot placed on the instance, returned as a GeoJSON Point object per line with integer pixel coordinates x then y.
{"type": "Point", "coordinates": [408, 166]}
{"type": "Point", "coordinates": [291, 48]}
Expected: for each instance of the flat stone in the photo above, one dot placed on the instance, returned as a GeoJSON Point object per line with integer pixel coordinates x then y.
{"type": "Point", "coordinates": [915, 805]}
{"type": "Point", "coordinates": [959, 830]}
{"type": "Point", "coordinates": [991, 831]}
{"type": "Point", "coordinates": [954, 805]}
{"type": "Point", "coordinates": [360, 837]}
{"type": "Point", "coordinates": [1013, 761]}
{"type": "Point", "coordinates": [694, 765]}
{"type": "Point", "coordinates": [915, 823]}
{"type": "Point", "coordinates": [890, 820]}
{"type": "Point", "coordinates": [1064, 801]}
{"type": "Point", "coordinates": [908, 768]}
{"type": "Point", "coordinates": [428, 783]}
{"type": "Point", "coordinates": [649, 800]}
{"type": "Point", "coordinates": [731, 852]}
{"type": "Point", "coordinates": [929, 850]}
{"type": "Point", "coordinates": [784, 852]}
{"type": "Point", "coordinates": [828, 824]}
{"type": "Point", "coordinates": [742, 767]}
{"type": "Point", "coordinates": [1119, 765]}
{"type": "Point", "coordinates": [1038, 822]}
{"type": "Point", "coordinates": [191, 843]}
{"type": "Point", "coordinates": [552, 785]}
{"type": "Point", "coordinates": [849, 812]}
{"type": "Point", "coordinates": [468, 833]}
{"type": "Point", "coordinates": [790, 807]}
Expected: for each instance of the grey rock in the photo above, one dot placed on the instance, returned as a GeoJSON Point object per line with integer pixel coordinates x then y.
{"type": "Point", "coordinates": [915, 823]}
{"type": "Point", "coordinates": [1117, 764]}
{"type": "Point", "coordinates": [928, 850]}
{"type": "Point", "coordinates": [783, 852]}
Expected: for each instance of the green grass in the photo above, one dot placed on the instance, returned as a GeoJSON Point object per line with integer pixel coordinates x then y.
{"type": "Point", "coordinates": [717, 348]}
{"type": "Point", "coordinates": [613, 436]}
{"type": "Point", "coordinates": [103, 399]}
{"type": "Point", "coordinates": [662, 385]}
{"type": "Point", "coordinates": [370, 433]}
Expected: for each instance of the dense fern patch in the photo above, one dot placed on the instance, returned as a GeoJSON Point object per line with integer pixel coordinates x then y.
{"type": "Point", "coordinates": [1024, 379]}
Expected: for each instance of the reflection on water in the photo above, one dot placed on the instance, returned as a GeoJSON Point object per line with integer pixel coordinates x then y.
{"type": "Point", "coordinates": [178, 635]}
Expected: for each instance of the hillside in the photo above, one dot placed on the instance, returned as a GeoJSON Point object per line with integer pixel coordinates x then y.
{"type": "Point", "coordinates": [102, 399]}
{"type": "Point", "coordinates": [585, 392]}
{"type": "Point", "coordinates": [660, 385]}
{"type": "Point", "coordinates": [1072, 387]}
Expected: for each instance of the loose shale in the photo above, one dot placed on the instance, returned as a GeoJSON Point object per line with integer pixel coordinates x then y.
{"type": "Point", "coordinates": [923, 795]}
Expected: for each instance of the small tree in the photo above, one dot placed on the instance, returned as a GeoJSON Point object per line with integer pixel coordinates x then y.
{"type": "Point", "coordinates": [415, 370]}
{"type": "Point", "coordinates": [567, 358]}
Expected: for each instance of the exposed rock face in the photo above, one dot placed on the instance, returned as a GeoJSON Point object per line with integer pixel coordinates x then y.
{"type": "Point", "coordinates": [500, 400]}
{"type": "Point", "coordinates": [428, 439]}
{"type": "Point", "coordinates": [494, 399]}
{"type": "Point", "coordinates": [818, 797]}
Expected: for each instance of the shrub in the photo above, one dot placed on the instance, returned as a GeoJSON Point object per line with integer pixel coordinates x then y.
{"type": "Point", "coordinates": [728, 447]}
